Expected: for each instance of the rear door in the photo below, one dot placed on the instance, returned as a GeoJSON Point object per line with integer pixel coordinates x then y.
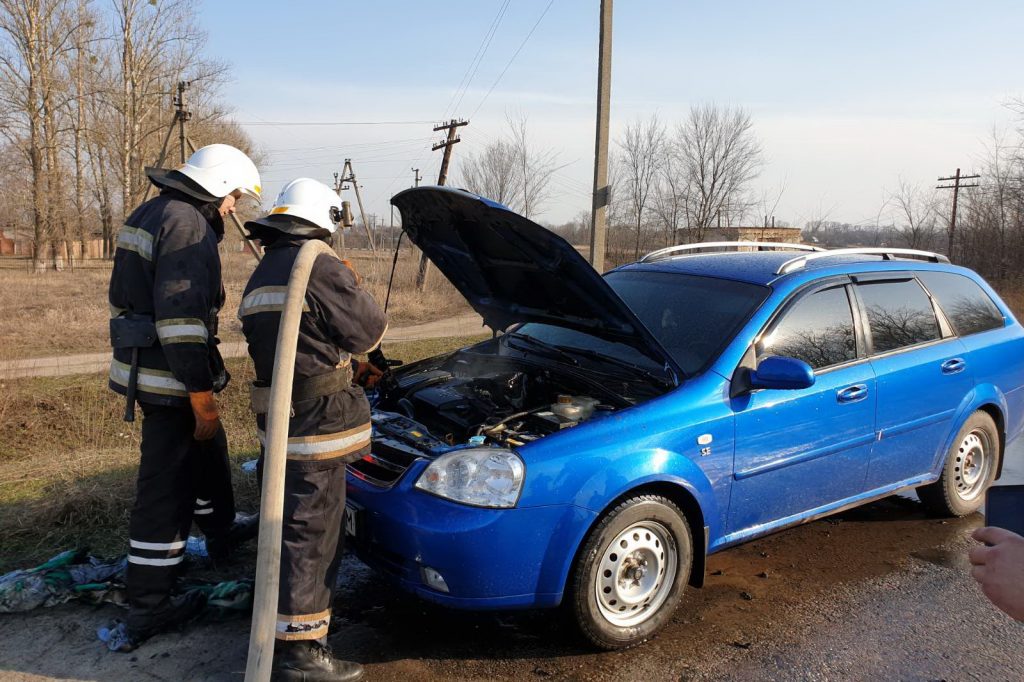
{"type": "Point", "coordinates": [797, 450]}
{"type": "Point", "coordinates": [921, 371]}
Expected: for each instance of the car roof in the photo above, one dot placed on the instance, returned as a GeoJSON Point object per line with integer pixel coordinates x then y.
{"type": "Point", "coordinates": [760, 267]}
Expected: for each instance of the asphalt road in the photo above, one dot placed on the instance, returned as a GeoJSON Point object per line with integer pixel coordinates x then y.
{"type": "Point", "coordinates": [881, 592]}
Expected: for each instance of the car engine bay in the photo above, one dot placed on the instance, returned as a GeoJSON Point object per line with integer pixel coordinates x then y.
{"type": "Point", "coordinates": [472, 398]}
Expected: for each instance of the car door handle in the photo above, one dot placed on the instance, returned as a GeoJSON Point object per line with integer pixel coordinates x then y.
{"type": "Point", "coordinates": [954, 366]}
{"type": "Point", "coordinates": [852, 394]}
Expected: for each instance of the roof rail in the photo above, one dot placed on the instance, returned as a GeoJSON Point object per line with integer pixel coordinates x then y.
{"type": "Point", "coordinates": [669, 251]}
{"type": "Point", "coordinates": [886, 254]}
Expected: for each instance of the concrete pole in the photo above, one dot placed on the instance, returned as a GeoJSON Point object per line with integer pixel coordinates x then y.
{"type": "Point", "coordinates": [599, 209]}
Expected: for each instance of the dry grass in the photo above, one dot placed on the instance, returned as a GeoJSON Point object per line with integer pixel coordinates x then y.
{"type": "Point", "coordinates": [68, 462]}
{"type": "Point", "coordinates": [58, 313]}
{"type": "Point", "coordinates": [53, 313]}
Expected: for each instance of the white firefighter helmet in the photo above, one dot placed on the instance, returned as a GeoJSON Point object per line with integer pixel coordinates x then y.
{"type": "Point", "coordinates": [220, 169]}
{"type": "Point", "coordinates": [310, 200]}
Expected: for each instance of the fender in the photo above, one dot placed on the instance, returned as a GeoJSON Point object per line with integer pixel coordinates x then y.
{"type": "Point", "coordinates": [638, 468]}
{"type": "Point", "coordinates": [980, 396]}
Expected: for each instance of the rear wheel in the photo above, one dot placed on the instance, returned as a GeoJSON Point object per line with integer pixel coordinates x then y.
{"type": "Point", "coordinates": [632, 572]}
{"type": "Point", "coordinates": [969, 470]}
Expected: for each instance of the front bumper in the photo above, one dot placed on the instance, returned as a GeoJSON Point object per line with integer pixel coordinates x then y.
{"type": "Point", "coordinates": [489, 558]}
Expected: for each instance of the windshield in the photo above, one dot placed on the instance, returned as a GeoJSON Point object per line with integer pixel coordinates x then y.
{"type": "Point", "coordinates": [693, 317]}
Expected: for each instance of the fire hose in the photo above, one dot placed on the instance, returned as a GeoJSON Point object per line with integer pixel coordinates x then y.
{"type": "Point", "coordinates": [268, 558]}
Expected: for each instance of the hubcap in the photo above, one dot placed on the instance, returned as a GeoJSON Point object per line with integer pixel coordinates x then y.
{"type": "Point", "coordinates": [636, 573]}
{"type": "Point", "coordinates": [972, 465]}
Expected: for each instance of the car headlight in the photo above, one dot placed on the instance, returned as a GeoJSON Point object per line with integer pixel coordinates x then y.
{"type": "Point", "coordinates": [484, 477]}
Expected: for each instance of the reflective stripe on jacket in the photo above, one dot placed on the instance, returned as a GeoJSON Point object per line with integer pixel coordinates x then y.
{"type": "Point", "coordinates": [167, 268]}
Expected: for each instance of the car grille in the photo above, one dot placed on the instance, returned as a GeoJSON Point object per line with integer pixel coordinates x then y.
{"type": "Point", "coordinates": [387, 462]}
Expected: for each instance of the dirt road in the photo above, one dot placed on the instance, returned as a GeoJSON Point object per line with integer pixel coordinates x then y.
{"type": "Point", "coordinates": [879, 592]}
{"type": "Point", "coordinates": [62, 365]}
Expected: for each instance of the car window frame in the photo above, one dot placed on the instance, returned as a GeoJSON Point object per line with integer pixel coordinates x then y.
{"type": "Point", "coordinates": [938, 306]}
{"type": "Point", "coordinates": [945, 328]}
{"type": "Point", "coordinates": [799, 295]}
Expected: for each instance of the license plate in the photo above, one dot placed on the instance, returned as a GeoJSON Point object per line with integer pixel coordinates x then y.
{"type": "Point", "coordinates": [351, 514]}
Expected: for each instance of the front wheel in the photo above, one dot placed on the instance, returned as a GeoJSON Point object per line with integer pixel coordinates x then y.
{"type": "Point", "coordinates": [631, 572]}
{"type": "Point", "coordinates": [969, 470]}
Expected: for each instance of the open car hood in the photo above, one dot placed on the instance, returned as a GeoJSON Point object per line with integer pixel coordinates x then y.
{"type": "Point", "coordinates": [512, 270]}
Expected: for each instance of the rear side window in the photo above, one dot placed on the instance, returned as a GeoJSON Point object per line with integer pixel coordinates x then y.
{"type": "Point", "coordinates": [899, 314]}
{"type": "Point", "coordinates": [817, 329]}
{"type": "Point", "coordinates": [966, 305]}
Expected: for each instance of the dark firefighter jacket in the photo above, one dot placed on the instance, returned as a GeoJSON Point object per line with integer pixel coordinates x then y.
{"type": "Point", "coordinates": [339, 318]}
{"type": "Point", "coordinates": [167, 269]}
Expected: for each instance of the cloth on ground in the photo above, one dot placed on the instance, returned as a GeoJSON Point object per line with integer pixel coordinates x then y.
{"type": "Point", "coordinates": [76, 575]}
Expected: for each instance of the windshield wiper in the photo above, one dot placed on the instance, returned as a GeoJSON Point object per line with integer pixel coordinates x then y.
{"type": "Point", "coordinates": [601, 357]}
{"type": "Point", "coordinates": [552, 351]}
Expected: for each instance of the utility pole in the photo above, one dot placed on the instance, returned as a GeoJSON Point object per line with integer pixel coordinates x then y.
{"type": "Point", "coordinates": [182, 115]}
{"type": "Point", "coordinates": [349, 175]}
{"type": "Point", "coordinates": [416, 171]}
{"type": "Point", "coordinates": [339, 236]}
{"type": "Point", "coordinates": [956, 178]}
{"type": "Point", "coordinates": [599, 208]}
{"type": "Point", "coordinates": [451, 139]}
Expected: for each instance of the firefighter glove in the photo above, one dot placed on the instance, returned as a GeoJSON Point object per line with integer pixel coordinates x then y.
{"type": "Point", "coordinates": [204, 407]}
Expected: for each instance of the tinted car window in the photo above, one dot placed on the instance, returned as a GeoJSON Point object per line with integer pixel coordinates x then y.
{"type": "Point", "coordinates": [899, 314]}
{"type": "Point", "coordinates": [692, 317]}
{"type": "Point", "coordinates": [817, 329]}
{"type": "Point", "coordinates": [966, 305]}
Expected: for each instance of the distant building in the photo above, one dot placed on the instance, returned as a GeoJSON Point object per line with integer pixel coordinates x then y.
{"type": "Point", "coordinates": [786, 235]}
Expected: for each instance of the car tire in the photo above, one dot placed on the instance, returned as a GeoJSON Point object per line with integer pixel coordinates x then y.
{"type": "Point", "coordinates": [631, 573]}
{"type": "Point", "coordinates": [969, 469]}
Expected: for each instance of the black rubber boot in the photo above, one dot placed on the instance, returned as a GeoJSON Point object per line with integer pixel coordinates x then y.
{"type": "Point", "coordinates": [309, 661]}
{"type": "Point", "coordinates": [245, 527]}
{"type": "Point", "coordinates": [174, 613]}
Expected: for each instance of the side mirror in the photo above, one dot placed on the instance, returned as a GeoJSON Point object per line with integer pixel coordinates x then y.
{"type": "Point", "coordinates": [780, 372]}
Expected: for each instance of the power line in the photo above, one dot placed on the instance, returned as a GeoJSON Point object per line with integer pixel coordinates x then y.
{"type": "Point", "coordinates": [478, 59]}
{"type": "Point", "coordinates": [514, 55]}
{"type": "Point", "coordinates": [331, 123]}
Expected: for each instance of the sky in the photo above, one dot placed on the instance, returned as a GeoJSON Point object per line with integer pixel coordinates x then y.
{"type": "Point", "coordinates": [846, 98]}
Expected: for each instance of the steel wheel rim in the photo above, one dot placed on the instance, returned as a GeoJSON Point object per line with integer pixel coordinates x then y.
{"type": "Point", "coordinates": [972, 463]}
{"type": "Point", "coordinates": [635, 573]}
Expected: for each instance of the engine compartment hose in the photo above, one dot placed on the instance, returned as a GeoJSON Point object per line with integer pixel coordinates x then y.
{"type": "Point", "coordinates": [268, 556]}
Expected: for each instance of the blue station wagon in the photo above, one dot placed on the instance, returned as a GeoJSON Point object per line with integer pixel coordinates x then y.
{"type": "Point", "coordinates": [617, 429]}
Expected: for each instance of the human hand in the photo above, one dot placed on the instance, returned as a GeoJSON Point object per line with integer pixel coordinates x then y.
{"type": "Point", "coordinates": [366, 374]}
{"type": "Point", "coordinates": [204, 407]}
{"type": "Point", "coordinates": [999, 569]}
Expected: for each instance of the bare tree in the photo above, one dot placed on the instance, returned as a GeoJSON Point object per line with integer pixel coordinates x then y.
{"type": "Point", "coordinates": [917, 213]}
{"type": "Point", "coordinates": [84, 93]}
{"type": "Point", "coordinates": [536, 166]}
{"type": "Point", "coordinates": [36, 38]}
{"type": "Point", "coordinates": [158, 44]}
{"type": "Point", "coordinates": [669, 196]}
{"type": "Point", "coordinates": [494, 173]}
{"type": "Point", "coordinates": [640, 159]}
{"type": "Point", "coordinates": [767, 202]}
{"type": "Point", "coordinates": [511, 170]}
{"type": "Point", "coordinates": [718, 156]}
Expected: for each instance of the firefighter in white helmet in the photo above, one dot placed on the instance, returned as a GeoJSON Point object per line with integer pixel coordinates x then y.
{"type": "Point", "coordinates": [330, 425]}
{"type": "Point", "coordinates": [165, 293]}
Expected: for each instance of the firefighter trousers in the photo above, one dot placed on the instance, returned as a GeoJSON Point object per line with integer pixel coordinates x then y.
{"type": "Point", "coordinates": [311, 547]}
{"type": "Point", "coordinates": [180, 480]}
